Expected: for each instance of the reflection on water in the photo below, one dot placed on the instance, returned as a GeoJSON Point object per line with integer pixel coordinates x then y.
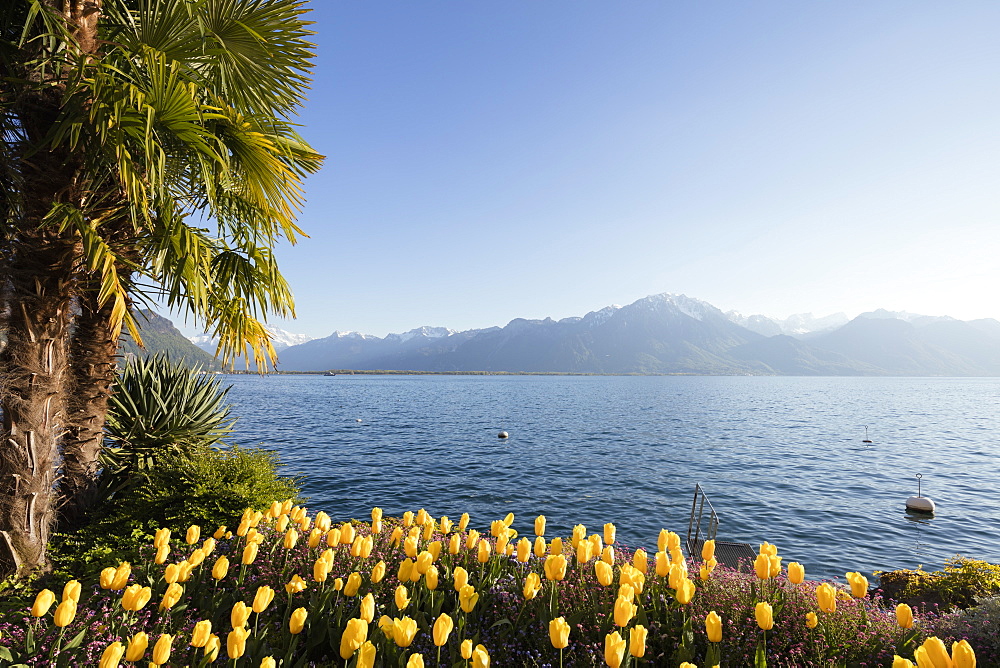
{"type": "Point", "coordinates": [780, 458]}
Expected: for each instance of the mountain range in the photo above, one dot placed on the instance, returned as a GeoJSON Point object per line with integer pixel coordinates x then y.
{"type": "Point", "coordinates": [669, 333]}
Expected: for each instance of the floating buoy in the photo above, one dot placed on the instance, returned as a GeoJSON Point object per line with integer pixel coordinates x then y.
{"type": "Point", "coordinates": [357, 419]}
{"type": "Point", "coordinates": [865, 439]}
{"type": "Point", "coordinates": [503, 434]}
{"type": "Point", "coordinates": [918, 503]}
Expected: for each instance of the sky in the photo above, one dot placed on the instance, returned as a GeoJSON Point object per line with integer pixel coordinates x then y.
{"type": "Point", "coordinates": [493, 160]}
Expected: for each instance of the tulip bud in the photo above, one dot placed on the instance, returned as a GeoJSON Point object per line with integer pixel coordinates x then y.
{"type": "Point", "coordinates": [65, 613]}
{"type": "Point", "coordinates": [764, 615]}
{"type": "Point", "coordinates": [466, 649]}
{"type": "Point", "coordinates": [532, 585]}
{"type": "Point", "coordinates": [262, 599]}
{"type": "Point", "coordinates": [112, 655]}
{"type": "Point", "coordinates": [604, 573]}
{"type": "Point", "coordinates": [826, 597]}
{"type": "Point", "coordinates": [193, 534]}
{"type": "Point", "coordinates": [353, 584]}
{"type": "Point", "coordinates": [708, 549]}
{"type": "Point", "coordinates": [43, 601]}
{"type": "Point", "coordinates": [559, 632]}
{"type": "Point", "coordinates": [367, 611]}
{"type": "Point", "coordinates": [249, 553]}
{"type": "Point", "coordinates": [161, 650]}
{"type": "Point", "coordinates": [162, 537]}
{"type": "Point", "coordinates": [136, 647]}
{"type": "Point", "coordinates": [811, 620]}
{"type": "Point", "coordinates": [904, 616]}
{"type": "Point", "coordinates": [713, 627]}
{"type": "Point", "coordinates": [347, 533]}
{"type": "Point", "coordinates": [540, 548]}
{"type": "Point", "coordinates": [403, 631]}
{"type": "Point", "coordinates": [236, 642]}
{"type": "Point", "coordinates": [640, 561]}
{"type": "Point", "coordinates": [624, 611]}
{"type": "Point", "coordinates": [221, 568]}
{"type": "Point", "coordinates": [796, 573]}
{"type": "Point", "coordinates": [483, 553]}
{"type": "Point", "coordinates": [353, 637]}
{"type": "Point", "coordinates": [455, 544]}
{"type": "Point", "coordinates": [442, 629]}
{"type": "Point", "coordinates": [637, 640]}
{"type": "Point", "coordinates": [201, 632]}
{"type": "Point", "coordinates": [402, 597]}
{"type": "Point", "coordinates": [297, 621]}
{"type": "Point", "coordinates": [162, 552]}
{"type": "Point", "coordinates": [555, 567]}
{"type": "Point", "coordinates": [431, 578]}
{"type": "Point", "coordinates": [468, 597]}
{"type": "Point", "coordinates": [614, 649]}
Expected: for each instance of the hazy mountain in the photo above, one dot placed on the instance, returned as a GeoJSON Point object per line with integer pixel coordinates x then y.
{"type": "Point", "coordinates": [280, 339]}
{"type": "Point", "coordinates": [159, 335]}
{"type": "Point", "coordinates": [798, 325]}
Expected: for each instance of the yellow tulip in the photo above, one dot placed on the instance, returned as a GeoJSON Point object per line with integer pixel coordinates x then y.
{"type": "Point", "coordinates": [442, 629]}
{"type": "Point", "coordinates": [460, 577]}
{"type": "Point", "coordinates": [431, 578]}
{"type": "Point", "coordinates": [221, 568]}
{"type": "Point", "coordinates": [596, 545]}
{"type": "Point", "coordinates": [677, 574]}
{"type": "Point", "coordinates": [212, 648]}
{"type": "Point", "coordinates": [405, 567]}
{"type": "Point", "coordinates": [708, 549]}
{"type": "Point", "coordinates": [394, 538]}
{"type": "Point", "coordinates": [811, 620]}
{"type": "Point", "coordinates": [65, 613]}
{"type": "Point", "coordinates": [627, 591]}
{"type": "Point", "coordinates": [555, 567]}
{"type": "Point", "coordinates": [367, 610]}
{"type": "Point", "coordinates": [197, 556]}
{"type": "Point", "coordinates": [161, 650]}
{"type": "Point", "coordinates": [429, 529]}
{"type": "Point", "coordinates": [136, 647]}
{"type": "Point", "coordinates": [713, 627]}
{"type": "Point", "coordinates": [171, 596]}
{"type": "Point", "coordinates": [962, 655]}
{"type": "Point", "coordinates": [662, 564]}
{"type": "Point", "coordinates": [355, 635]}
{"type": "Point", "coordinates": [480, 657]}
{"type": "Point", "coordinates": [579, 533]}
{"type": "Point", "coordinates": [685, 593]}
{"type": "Point", "coordinates": [162, 553]}
{"type": "Point", "coordinates": [378, 572]}
{"type": "Point", "coordinates": [604, 573]}
{"type": "Point", "coordinates": [509, 519]}
{"type": "Point", "coordinates": [295, 585]}
{"type": "Point", "coordinates": [455, 544]}
{"type": "Point", "coordinates": [366, 655]}
{"type": "Point", "coordinates": [193, 534]}
{"type": "Point", "coordinates": [796, 573]}
{"type": "Point", "coordinates": [608, 555]}
{"type": "Point", "coordinates": [637, 640]}
{"type": "Point", "coordinates": [172, 573]}
{"type": "Point", "coordinates": [446, 524]}
{"type": "Point", "coordinates": [904, 616]}
{"type": "Point", "coordinates": [268, 662]}
{"type": "Point", "coordinates": [673, 542]}
{"type": "Point", "coordinates": [415, 661]}
{"type": "Point", "coordinates": [775, 566]}
{"type": "Point", "coordinates": [321, 570]}
{"type": "Point", "coordinates": [624, 611]}
{"type": "Point", "coordinates": [463, 522]}
{"type": "Point", "coordinates": [220, 533]}
{"type": "Point", "coordinates": [614, 649]}
{"type": "Point", "coordinates": [532, 585]}
{"type": "Point", "coordinates": [184, 571]}
{"type": "Point", "coordinates": [539, 547]}
{"type": "Point", "coordinates": [933, 654]}
{"type": "Point", "coordinates": [483, 552]}
{"type": "Point", "coordinates": [297, 621]}
{"type": "Point", "coordinates": [249, 553]}
{"type": "Point", "coordinates": [403, 631]}
{"type": "Point", "coordinates": [423, 562]}
{"type": "Point", "coordinates": [201, 632]}
{"type": "Point", "coordinates": [559, 632]}
{"type": "Point", "coordinates": [376, 514]}
{"type": "Point", "coordinates": [540, 525]}
{"type": "Point", "coordinates": [107, 577]}
{"type": "Point", "coordinates": [162, 537]}
{"type": "Point", "coordinates": [402, 597]}
{"type": "Point", "coordinates": [640, 561]}
{"type": "Point", "coordinates": [764, 615]}
{"type": "Point", "coordinates": [826, 597]}
{"type": "Point", "coordinates": [347, 532]}
{"type": "Point", "coordinates": [290, 539]}
{"type": "Point", "coordinates": [112, 655]}
{"type": "Point", "coordinates": [900, 662]}
{"type": "Point", "coordinates": [262, 599]}
{"type": "Point", "coordinates": [768, 549]}
{"type": "Point", "coordinates": [762, 566]}
{"type": "Point", "coordinates": [43, 601]}
{"type": "Point", "coordinates": [468, 597]}
{"type": "Point", "coordinates": [135, 597]}
{"type": "Point", "coordinates": [859, 584]}
{"type": "Point", "coordinates": [466, 649]}
{"type": "Point", "coordinates": [583, 552]}
{"type": "Point", "coordinates": [556, 546]}
{"type": "Point", "coordinates": [353, 584]}
{"type": "Point", "coordinates": [240, 614]}
{"type": "Point", "coordinates": [236, 642]}
{"type": "Point", "coordinates": [121, 576]}
{"type": "Point", "coordinates": [367, 545]}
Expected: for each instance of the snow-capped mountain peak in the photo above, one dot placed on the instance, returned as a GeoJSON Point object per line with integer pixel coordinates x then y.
{"type": "Point", "coordinates": [425, 332]}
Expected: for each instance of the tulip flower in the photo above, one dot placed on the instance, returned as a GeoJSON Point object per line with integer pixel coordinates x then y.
{"type": "Point", "coordinates": [352, 585]}
{"type": "Point", "coordinates": [402, 597]}
{"type": "Point", "coordinates": [762, 566]}
{"type": "Point", "coordinates": [962, 655]}
{"type": "Point", "coordinates": [220, 533]}
{"type": "Point", "coordinates": [236, 642]}
{"type": "Point", "coordinates": [403, 631]}
{"type": "Point", "coordinates": [713, 627]}
{"type": "Point", "coordinates": [112, 655]}
{"type": "Point", "coordinates": [640, 561]}
{"type": "Point", "coordinates": [347, 533]}
{"type": "Point", "coordinates": [201, 632]}
{"type": "Point", "coordinates": [403, 573]}
{"type": "Point", "coordinates": [624, 611]}
{"type": "Point", "coordinates": [685, 592]}
{"type": "Point", "coordinates": [775, 566]}
{"type": "Point", "coordinates": [468, 597]}
{"type": "Point", "coordinates": [455, 544]}
{"type": "Point", "coordinates": [483, 552]}
{"type": "Point", "coordinates": [559, 632]}
{"type": "Point", "coordinates": [429, 529]}
{"type": "Point", "coordinates": [161, 650]}
{"type": "Point", "coordinates": [376, 514]}
{"type": "Point", "coordinates": [355, 634]}
{"type": "Point", "coordinates": [627, 591]}
{"type": "Point", "coordinates": [431, 578]}
{"type": "Point", "coordinates": [480, 657]}
{"type": "Point", "coordinates": [811, 620]}
{"type": "Point", "coordinates": [859, 584]}
{"type": "Point", "coordinates": [162, 553]}
{"type": "Point", "coordinates": [673, 541]}
{"type": "Point", "coordinates": [135, 597]}
{"type": "Point", "coordinates": [583, 549]}
{"type": "Point", "coordinates": [596, 545]}
{"type": "Point", "coordinates": [539, 548]}
{"type": "Point", "coordinates": [121, 576]}
{"type": "Point", "coordinates": [933, 654]}
{"type": "Point", "coordinates": [604, 573]}
{"type": "Point", "coordinates": [555, 567]}
{"type": "Point", "coordinates": [677, 575]}
{"type": "Point", "coordinates": [556, 546]}
{"type": "Point", "coordinates": [446, 524]}
{"type": "Point", "coordinates": [826, 597]}
{"type": "Point", "coordinates": [460, 577]}
{"type": "Point", "coordinates": [378, 572]}
{"type": "Point", "coordinates": [764, 615]}
{"type": "Point", "coordinates": [193, 534]}
{"type": "Point", "coordinates": [338, 584]}
{"type": "Point", "coordinates": [904, 616]}
{"type": "Point", "coordinates": [768, 549]}
{"type": "Point", "coordinates": [523, 550]}
{"type": "Point", "coordinates": [796, 573]}
{"type": "Point", "coordinates": [240, 614]}
{"type": "Point", "coordinates": [367, 608]}
{"type": "Point", "coordinates": [107, 577]}
{"type": "Point", "coordinates": [297, 621]}
{"type": "Point", "coordinates": [249, 553]}
{"type": "Point", "coordinates": [43, 601]}
{"type": "Point", "coordinates": [532, 585]}
{"type": "Point", "coordinates": [415, 661]}
{"type": "Point", "coordinates": [162, 537]}
{"type": "Point", "coordinates": [171, 573]}
{"type": "Point", "coordinates": [136, 647]}
{"type": "Point", "coordinates": [662, 564]}
{"type": "Point", "coordinates": [262, 599]}
{"type": "Point", "coordinates": [614, 649]}
{"type": "Point", "coordinates": [637, 640]}
{"type": "Point", "coordinates": [171, 596]}
{"type": "Point", "coordinates": [708, 549]}
{"type": "Point", "coordinates": [442, 629]}
{"type": "Point", "coordinates": [900, 662]}
{"type": "Point", "coordinates": [321, 570]}
{"type": "Point", "coordinates": [295, 585]}
{"type": "Point", "coordinates": [268, 662]}
{"type": "Point", "coordinates": [221, 568]}
{"type": "Point", "coordinates": [65, 613]}
{"type": "Point", "coordinates": [579, 533]}
{"type": "Point", "coordinates": [540, 525]}
{"type": "Point", "coordinates": [366, 655]}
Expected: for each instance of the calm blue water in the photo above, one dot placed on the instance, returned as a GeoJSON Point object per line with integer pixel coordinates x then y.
{"type": "Point", "coordinates": [780, 458]}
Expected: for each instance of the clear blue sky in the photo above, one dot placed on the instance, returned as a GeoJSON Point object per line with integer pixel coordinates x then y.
{"type": "Point", "coordinates": [493, 160]}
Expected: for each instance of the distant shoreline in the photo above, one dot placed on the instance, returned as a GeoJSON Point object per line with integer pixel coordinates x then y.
{"type": "Point", "coordinates": [391, 372]}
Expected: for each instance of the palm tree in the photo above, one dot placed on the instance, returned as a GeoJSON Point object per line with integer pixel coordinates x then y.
{"type": "Point", "coordinates": [164, 117]}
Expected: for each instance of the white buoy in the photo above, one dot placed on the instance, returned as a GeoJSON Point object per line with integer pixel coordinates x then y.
{"type": "Point", "coordinates": [918, 503]}
{"type": "Point", "coordinates": [357, 419]}
{"type": "Point", "coordinates": [503, 434]}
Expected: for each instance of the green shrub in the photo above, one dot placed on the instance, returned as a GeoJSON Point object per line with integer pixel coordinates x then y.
{"type": "Point", "coordinates": [960, 584]}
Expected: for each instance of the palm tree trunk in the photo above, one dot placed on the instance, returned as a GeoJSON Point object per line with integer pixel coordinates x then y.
{"type": "Point", "coordinates": [32, 397]}
{"type": "Point", "coordinates": [92, 368]}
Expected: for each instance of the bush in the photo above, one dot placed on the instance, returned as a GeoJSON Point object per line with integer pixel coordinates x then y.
{"type": "Point", "coordinates": [962, 582]}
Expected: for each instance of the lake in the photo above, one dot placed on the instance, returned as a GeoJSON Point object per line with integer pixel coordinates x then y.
{"type": "Point", "coordinates": [781, 458]}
